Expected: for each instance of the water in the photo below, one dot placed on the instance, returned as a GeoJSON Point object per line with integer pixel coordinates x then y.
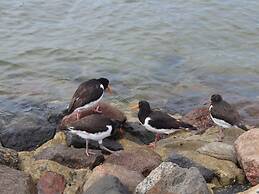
{"type": "Point", "coordinates": [172, 53]}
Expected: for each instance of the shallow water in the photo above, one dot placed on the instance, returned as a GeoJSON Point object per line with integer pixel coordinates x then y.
{"type": "Point", "coordinates": [172, 53]}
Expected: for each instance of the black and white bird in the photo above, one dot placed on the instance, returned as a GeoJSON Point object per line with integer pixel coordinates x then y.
{"type": "Point", "coordinates": [224, 115]}
{"type": "Point", "coordinates": [87, 95]}
{"type": "Point", "coordinates": [159, 122]}
{"type": "Point", "coordinates": [95, 127]}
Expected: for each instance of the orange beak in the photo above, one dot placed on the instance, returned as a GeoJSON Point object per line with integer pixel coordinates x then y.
{"type": "Point", "coordinates": [109, 89]}
{"type": "Point", "coordinates": [134, 107]}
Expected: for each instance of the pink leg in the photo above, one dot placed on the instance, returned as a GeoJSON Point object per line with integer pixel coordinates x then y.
{"type": "Point", "coordinates": [153, 145]}
{"type": "Point", "coordinates": [221, 135]}
{"type": "Point", "coordinates": [78, 114]}
{"type": "Point", "coordinates": [97, 109]}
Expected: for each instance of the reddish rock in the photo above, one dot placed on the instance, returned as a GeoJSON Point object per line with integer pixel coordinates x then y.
{"type": "Point", "coordinates": [107, 110]}
{"type": "Point", "coordinates": [51, 183]}
{"type": "Point", "coordinates": [141, 160]}
{"type": "Point", "coordinates": [247, 149]}
{"type": "Point", "coordinates": [15, 182]}
{"type": "Point", "coordinates": [199, 117]}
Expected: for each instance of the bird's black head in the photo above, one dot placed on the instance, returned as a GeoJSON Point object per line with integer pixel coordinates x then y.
{"type": "Point", "coordinates": [104, 82]}
{"type": "Point", "coordinates": [215, 98]}
{"type": "Point", "coordinates": [117, 128]}
{"type": "Point", "coordinates": [144, 110]}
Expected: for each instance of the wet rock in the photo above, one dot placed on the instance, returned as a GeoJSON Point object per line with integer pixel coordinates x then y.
{"type": "Point", "coordinates": [200, 118]}
{"type": "Point", "coordinates": [139, 133]}
{"type": "Point", "coordinates": [142, 160]}
{"type": "Point", "coordinates": [127, 177]}
{"type": "Point", "coordinates": [185, 162]}
{"type": "Point", "coordinates": [9, 157]}
{"type": "Point", "coordinates": [15, 181]}
{"type": "Point", "coordinates": [75, 178]}
{"type": "Point", "coordinates": [253, 190]}
{"type": "Point", "coordinates": [219, 150]}
{"type": "Point", "coordinates": [26, 132]}
{"type": "Point", "coordinates": [71, 157]}
{"type": "Point", "coordinates": [50, 183]}
{"type": "Point", "coordinates": [247, 149]}
{"type": "Point", "coordinates": [170, 178]}
{"type": "Point", "coordinates": [107, 110]}
{"type": "Point", "coordinates": [78, 142]}
{"type": "Point", "coordinates": [107, 185]}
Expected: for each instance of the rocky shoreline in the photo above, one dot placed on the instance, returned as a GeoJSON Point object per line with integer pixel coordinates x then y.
{"type": "Point", "coordinates": [48, 160]}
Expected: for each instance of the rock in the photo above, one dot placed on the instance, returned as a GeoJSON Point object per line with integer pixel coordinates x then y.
{"type": "Point", "coordinates": [219, 150]}
{"type": "Point", "coordinates": [50, 183]}
{"type": "Point", "coordinates": [107, 110]}
{"type": "Point", "coordinates": [170, 178]}
{"type": "Point", "coordinates": [75, 178]}
{"type": "Point", "coordinates": [142, 160]}
{"type": "Point", "coordinates": [227, 172]}
{"type": "Point", "coordinates": [107, 185]}
{"type": "Point", "coordinates": [15, 181]}
{"type": "Point", "coordinates": [230, 189]}
{"type": "Point", "coordinates": [185, 162]}
{"type": "Point", "coordinates": [138, 133]}
{"type": "Point", "coordinates": [200, 118]}
{"type": "Point", "coordinates": [253, 190]}
{"type": "Point", "coordinates": [71, 157]}
{"type": "Point", "coordinates": [26, 132]}
{"type": "Point", "coordinates": [247, 149]}
{"type": "Point", "coordinates": [9, 157]}
{"type": "Point", "coordinates": [78, 142]}
{"type": "Point", "coordinates": [128, 178]}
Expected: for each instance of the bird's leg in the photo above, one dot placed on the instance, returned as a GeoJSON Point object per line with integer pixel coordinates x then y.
{"type": "Point", "coordinates": [97, 109]}
{"type": "Point", "coordinates": [153, 144]}
{"type": "Point", "coordinates": [221, 134]}
{"type": "Point", "coordinates": [78, 114]}
{"type": "Point", "coordinates": [105, 148]}
{"type": "Point", "coordinates": [87, 152]}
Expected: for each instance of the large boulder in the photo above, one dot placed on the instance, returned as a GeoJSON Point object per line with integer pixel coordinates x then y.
{"type": "Point", "coordinates": [50, 183]}
{"type": "Point", "coordinates": [26, 132]}
{"type": "Point", "coordinates": [142, 160]}
{"type": "Point", "coordinates": [107, 185]}
{"type": "Point", "coordinates": [127, 177]}
{"type": "Point", "coordinates": [170, 178]}
{"type": "Point", "coordinates": [219, 150]}
{"type": "Point", "coordinates": [15, 181]}
{"type": "Point", "coordinates": [71, 157]}
{"type": "Point", "coordinates": [253, 190]}
{"type": "Point", "coordinates": [185, 162]}
{"type": "Point", "coordinates": [247, 148]}
{"type": "Point", "coordinates": [9, 157]}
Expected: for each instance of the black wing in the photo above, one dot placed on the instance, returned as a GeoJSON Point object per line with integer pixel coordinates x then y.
{"type": "Point", "coordinates": [93, 123]}
{"type": "Point", "coordinates": [160, 120]}
{"type": "Point", "coordinates": [87, 92]}
{"type": "Point", "coordinates": [226, 112]}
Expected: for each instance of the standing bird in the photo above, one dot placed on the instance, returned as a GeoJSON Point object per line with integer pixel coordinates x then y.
{"type": "Point", "coordinates": [224, 115]}
{"type": "Point", "coordinates": [159, 122]}
{"type": "Point", "coordinates": [95, 127]}
{"type": "Point", "coordinates": [87, 95]}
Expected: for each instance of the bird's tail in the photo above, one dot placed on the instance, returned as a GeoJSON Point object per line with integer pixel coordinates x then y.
{"type": "Point", "coordinates": [188, 126]}
{"type": "Point", "coordinates": [242, 126]}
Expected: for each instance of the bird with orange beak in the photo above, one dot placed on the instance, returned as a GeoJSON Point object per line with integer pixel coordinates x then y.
{"type": "Point", "coordinates": [158, 122]}
{"type": "Point", "coordinates": [88, 95]}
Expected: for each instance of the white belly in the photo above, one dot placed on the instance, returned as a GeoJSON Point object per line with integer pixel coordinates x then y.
{"type": "Point", "coordinates": [160, 131]}
{"type": "Point", "coordinates": [93, 136]}
{"type": "Point", "coordinates": [90, 105]}
{"type": "Point", "coordinates": [221, 123]}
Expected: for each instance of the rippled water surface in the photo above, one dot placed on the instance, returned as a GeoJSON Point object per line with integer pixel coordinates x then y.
{"type": "Point", "coordinates": [174, 53]}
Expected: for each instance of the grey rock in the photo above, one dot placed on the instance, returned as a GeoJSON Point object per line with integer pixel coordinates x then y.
{"type": "Point", "coordinates": [219, 150]}
{"type": "Point", "coordinates": [185, 162]}
{"type": "Point", "coordinates": [107, 185]}
{"type": "Point", "coordinates": [15, 181]}
{"type": "Point", "coordinates": [173, 179]}
{"type": "Point", "coordinates": [71, 157]}
{"type": "Point", "coordinates": [9, 157]}
{"type": "Point", "coordinates": [26, 132]}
